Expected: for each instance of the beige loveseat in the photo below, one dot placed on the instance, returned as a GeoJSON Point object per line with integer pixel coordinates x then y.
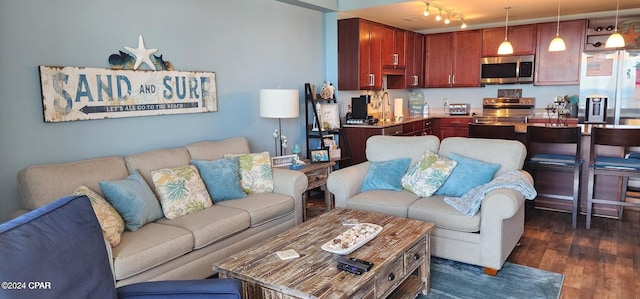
{"type": "Point", "coordinates": [485, 239]}
{"type": "Point", "coordinates": [187, 246]}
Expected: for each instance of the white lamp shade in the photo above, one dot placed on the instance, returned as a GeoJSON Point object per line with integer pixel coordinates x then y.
{"type": "Point", "coordinates": [615, 41]}
{"type": "Point", "coordinates": [505, 48]}
{"type": "Point", "coordinates": [279, 103]}
{"type": "Point", "coordinates": [557, 44]}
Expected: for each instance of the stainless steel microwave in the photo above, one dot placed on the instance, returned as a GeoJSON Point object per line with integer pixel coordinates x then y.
{"type": "Point", "coordinates": [507, 69]}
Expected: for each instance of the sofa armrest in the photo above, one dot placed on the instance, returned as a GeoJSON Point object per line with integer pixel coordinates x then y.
{"type": "Point", "coordinates": [347, 182]}
{"type": "Point", "coordinates": [292, 183]}
{"type": "Point", "coordinates": [503, 203]}
{"type": "Point", "coordinates": [205, 288]}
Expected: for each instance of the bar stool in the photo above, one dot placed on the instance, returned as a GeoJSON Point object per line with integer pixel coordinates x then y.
{"type": "Point", "coordinates": [624, 165]}
{"type": "Point", "coordinates": [542, 157]}
{"type": "Point", "coordinates": [492, 131]}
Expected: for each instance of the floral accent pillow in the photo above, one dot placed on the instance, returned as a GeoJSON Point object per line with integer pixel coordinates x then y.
{"type": "Point", "coordinates": [181, 190]}
{"type": "Point", "coordinates": [255, 172]}
{"type": "Point", "coordinates": [428, 174]}
{"type": "Point", "coordinates": [110, 221]}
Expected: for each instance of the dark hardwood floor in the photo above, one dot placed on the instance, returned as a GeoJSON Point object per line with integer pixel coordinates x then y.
{"type": "Point", "coordinates": [603, 262]}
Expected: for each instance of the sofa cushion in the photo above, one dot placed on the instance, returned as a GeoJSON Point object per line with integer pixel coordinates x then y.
{"type": "Point", "coordinates": [384, 148]}
{"type": "Point", "coordinates": [385, 175]}
{"type": "Point", "coordinates": [181, 190]}
{"type": "Point", "coordinates": [222, 178]}
{"type": "Point", "coordinates": [213, 150]}
{"type": "Point", "coordinates": [468, 174]}
{"type": "Point", "coordinates": [110, 221]}
{"type": "Point", "coordinates": [428, 174]}
{"type": "Point", "coordinates": [149, 161]}
{"type": "Point", "coordinates": [383, 201]}
{"type": "Point", "coordinates": [42, 184]}
{"type": "Point", "coordinates": [263, 207]}
{"type": "Point", "coordinates": [211, 224]}
{"type": "Point", "coordinates": [510, 154]}
{"type": "Point", "coordinates": [133, 199]}
{"type": "Point", "coordinates": [149, 246]}
{"type": "Point", "coordinates": [255, 172]}
{"type": "Point", "coordinates": [434, 209]}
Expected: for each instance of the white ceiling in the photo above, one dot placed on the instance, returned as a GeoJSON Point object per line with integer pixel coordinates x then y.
{"type": "Point", "coordinates": [488, 13]}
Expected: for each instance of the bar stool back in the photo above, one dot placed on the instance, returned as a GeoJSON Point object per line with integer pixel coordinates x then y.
{"type": "Point", "coordinates": [625, 165]}
{"type": "Point", "coordinates": [492, 131]}
{"type": "Point", "coordinates": [542, 157]}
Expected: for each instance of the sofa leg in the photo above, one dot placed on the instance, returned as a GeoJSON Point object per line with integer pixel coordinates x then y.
{"type": "Point", "coordinates": [490, 271]}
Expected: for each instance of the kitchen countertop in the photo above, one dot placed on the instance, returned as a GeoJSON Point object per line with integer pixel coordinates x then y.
{"type": "Point", "coordinates": [586, 128]}
{"type": "Point", "coordinates": [386, 124]}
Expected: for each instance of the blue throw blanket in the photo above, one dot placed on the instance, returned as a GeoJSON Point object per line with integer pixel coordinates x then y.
{"type": "Point", "coordinates": [469, 204]}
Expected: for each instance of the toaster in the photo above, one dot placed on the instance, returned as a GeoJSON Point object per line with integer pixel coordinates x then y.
{"type": "Point", "coordinates": [459, 109]}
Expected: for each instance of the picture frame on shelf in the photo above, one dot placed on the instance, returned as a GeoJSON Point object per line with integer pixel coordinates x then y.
{"type": "Point", "coordinates": [282, 160]}
{"type": "Point", "coordinates": [319, 155]}
{"type": "Point", "coordinates": [329, 116]}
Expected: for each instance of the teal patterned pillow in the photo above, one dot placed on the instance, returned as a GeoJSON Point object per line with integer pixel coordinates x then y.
{"type": "Point", "coordinates": [428, 174]}
{"type": "Point", "coordinates": [255, 172]}
{"type": "Point", "coordinates": [181, 190]}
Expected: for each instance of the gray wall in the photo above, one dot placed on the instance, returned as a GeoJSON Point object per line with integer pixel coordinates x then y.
{"type": "Point", "coordinates": [250, 44]}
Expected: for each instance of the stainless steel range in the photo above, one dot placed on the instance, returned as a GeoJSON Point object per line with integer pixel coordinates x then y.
{"type": "Point", "coordinates": [506, 110]}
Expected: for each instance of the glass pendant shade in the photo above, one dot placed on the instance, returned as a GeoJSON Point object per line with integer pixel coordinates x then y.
{"type": "Point", "coordinates": [557, 44]}
{"type": "Point", "coordinates": [505, 48]}
{"type": "Point", "coordinates": [615, 41]}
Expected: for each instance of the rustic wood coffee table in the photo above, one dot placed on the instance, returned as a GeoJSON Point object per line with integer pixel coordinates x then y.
{"type": "Point", "coordinates": [400, 254]}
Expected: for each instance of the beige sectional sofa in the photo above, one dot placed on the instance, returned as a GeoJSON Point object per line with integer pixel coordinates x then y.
{"type": "Point", "coordinates": [183, 247]}
{"type": "Point", "coordinates": [485, 239]}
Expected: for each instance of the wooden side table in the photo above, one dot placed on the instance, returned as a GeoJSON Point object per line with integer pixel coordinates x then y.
{"type": "Point", "coordinates": [317, 174]}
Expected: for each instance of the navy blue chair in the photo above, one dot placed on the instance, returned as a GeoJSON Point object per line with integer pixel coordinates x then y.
{"type": "Point", "coordinates": [625, 165]}
{"type": "Point", "coordinates": [57, 251]}
{"type": "Point", "coordinates": [543, 157]}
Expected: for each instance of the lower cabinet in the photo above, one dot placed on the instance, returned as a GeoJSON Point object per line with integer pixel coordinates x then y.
{"type": "Point", "coordinates": [452, 127]}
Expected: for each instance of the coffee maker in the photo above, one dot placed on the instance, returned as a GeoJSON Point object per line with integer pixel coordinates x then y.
{"type": "Point", "coordinates": [596, 110]}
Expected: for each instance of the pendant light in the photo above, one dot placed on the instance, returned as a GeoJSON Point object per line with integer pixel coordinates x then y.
{"type": "Point", "coordinates": [557, 43]}
{"type": "Point", "coordinates": [615, 40]}
{"type": "Point", "coordinates": [505, 47]}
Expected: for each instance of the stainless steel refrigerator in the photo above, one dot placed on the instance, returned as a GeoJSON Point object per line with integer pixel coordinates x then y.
{"type": "Point", "coordinates": [610, 81]}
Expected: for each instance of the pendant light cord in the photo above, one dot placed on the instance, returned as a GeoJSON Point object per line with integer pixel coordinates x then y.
{"type": "Point", "coordinates": [617, 8]}
{"type": "Point", "coordinates": [558, 26]}
{"type": "Point", "coordinates": [506, 23]}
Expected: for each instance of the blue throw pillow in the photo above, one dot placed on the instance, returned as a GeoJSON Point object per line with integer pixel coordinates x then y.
{"type": "Point", "coordinates": [222, 178]}
{"type": "Point", "coordinates": [133, 199]}
{"type": "Point", "coordinates": [386, 175]}
{"type": "Point", "coordinates": [468, 174]}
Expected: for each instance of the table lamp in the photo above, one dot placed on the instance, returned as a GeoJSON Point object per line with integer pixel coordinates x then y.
{"type": "Point", "coordinates": [279, 103]}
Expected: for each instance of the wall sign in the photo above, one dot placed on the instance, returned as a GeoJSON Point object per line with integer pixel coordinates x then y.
{"type": "Point", "coordinates": [81, 93]}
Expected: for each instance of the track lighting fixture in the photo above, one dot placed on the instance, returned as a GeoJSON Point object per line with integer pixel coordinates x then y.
{"type": "Point", "coordinates": [447, 18]}
{"type": "Point", "coordinates": [439, 16]}
{"type": "Point", "coordinates": [426, 11]}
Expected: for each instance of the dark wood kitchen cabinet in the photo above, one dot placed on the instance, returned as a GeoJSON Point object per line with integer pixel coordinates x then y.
{"type": "Point", "coordinates": [414, 72]}
{"type": "Point", "coordinates": [563, 67]}
{"type": "Point", "coordinates": [453, 59]}
{"type": "Point", "coordinates": [359, 54]}
{"type": "Point", "coordinates": [393, 50]}
{"type": "Point", "coordinates": [452, 127]}
{"type": "Point", "coordinates": [522, 37]}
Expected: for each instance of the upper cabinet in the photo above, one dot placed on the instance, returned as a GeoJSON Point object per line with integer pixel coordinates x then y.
{"type": "Point", "coordinates": [359, 54]}
{"type": "Point", "coordinates": [393, 50]}
{"type": "Point", "coordinates": [522, 37]}
{"type": "Point", "coordinates": [563, 67]}
{"type": "Point", "coordinates": [453, 59]}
